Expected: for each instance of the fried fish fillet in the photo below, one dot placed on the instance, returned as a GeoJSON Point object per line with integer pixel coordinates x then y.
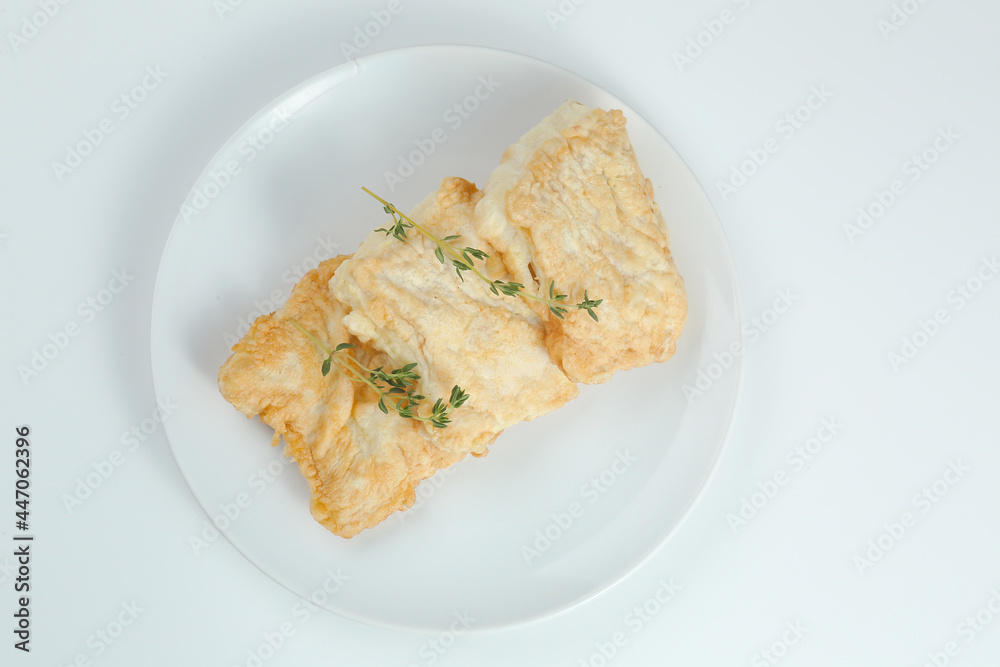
{"type": "Point", "coordinates": [417, 309]}
{"type": "Point", "coordinates": [568, 203]}
{"type": "Point", "coordinates": [361, 465]}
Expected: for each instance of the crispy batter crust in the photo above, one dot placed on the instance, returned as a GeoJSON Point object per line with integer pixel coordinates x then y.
{"type": "Point", "coordinates": [569, 203]}
{"type": "Point", "coordinates": [361, 466]}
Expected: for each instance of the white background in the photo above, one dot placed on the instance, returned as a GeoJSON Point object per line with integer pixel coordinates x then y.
{"type": "Point", "coordinates": [872, 550]}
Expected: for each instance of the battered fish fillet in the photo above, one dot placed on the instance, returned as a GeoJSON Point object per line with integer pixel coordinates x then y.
{"type": "Point", "coordinates": [568, 203]}
{"type": "Point", "coordinates": [361, 465]}
{"type": "Point", "coordinates": [416, 309]}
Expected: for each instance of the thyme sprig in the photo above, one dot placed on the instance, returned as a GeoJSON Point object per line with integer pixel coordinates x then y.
{"type": "Point", "coordinates": [395, 389]}
{"type": "Point", "coordinates": [463, 259]}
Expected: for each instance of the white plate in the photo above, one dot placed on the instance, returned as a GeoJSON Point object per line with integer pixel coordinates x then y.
{"type": "Point", "coordinates": [628, 457]}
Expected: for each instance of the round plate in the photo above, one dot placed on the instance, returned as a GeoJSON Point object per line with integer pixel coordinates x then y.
{"type": "Point", "coordinates": [564, 506]}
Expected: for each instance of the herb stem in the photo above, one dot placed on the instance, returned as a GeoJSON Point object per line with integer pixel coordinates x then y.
{"type": "Point", "coordinates": [462, 260]}
{"type": "Point", "coordinates": [394, 394]}
{"type": "Point", "coordinates": [315, 340]}
{"type": "Point", "coordinates": [442, 243]}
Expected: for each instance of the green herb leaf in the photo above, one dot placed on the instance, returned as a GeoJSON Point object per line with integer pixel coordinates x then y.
{"type": "Point", "coordinates": [458, 397]}
{"type": "Point", "coordinates": [394, 388]}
